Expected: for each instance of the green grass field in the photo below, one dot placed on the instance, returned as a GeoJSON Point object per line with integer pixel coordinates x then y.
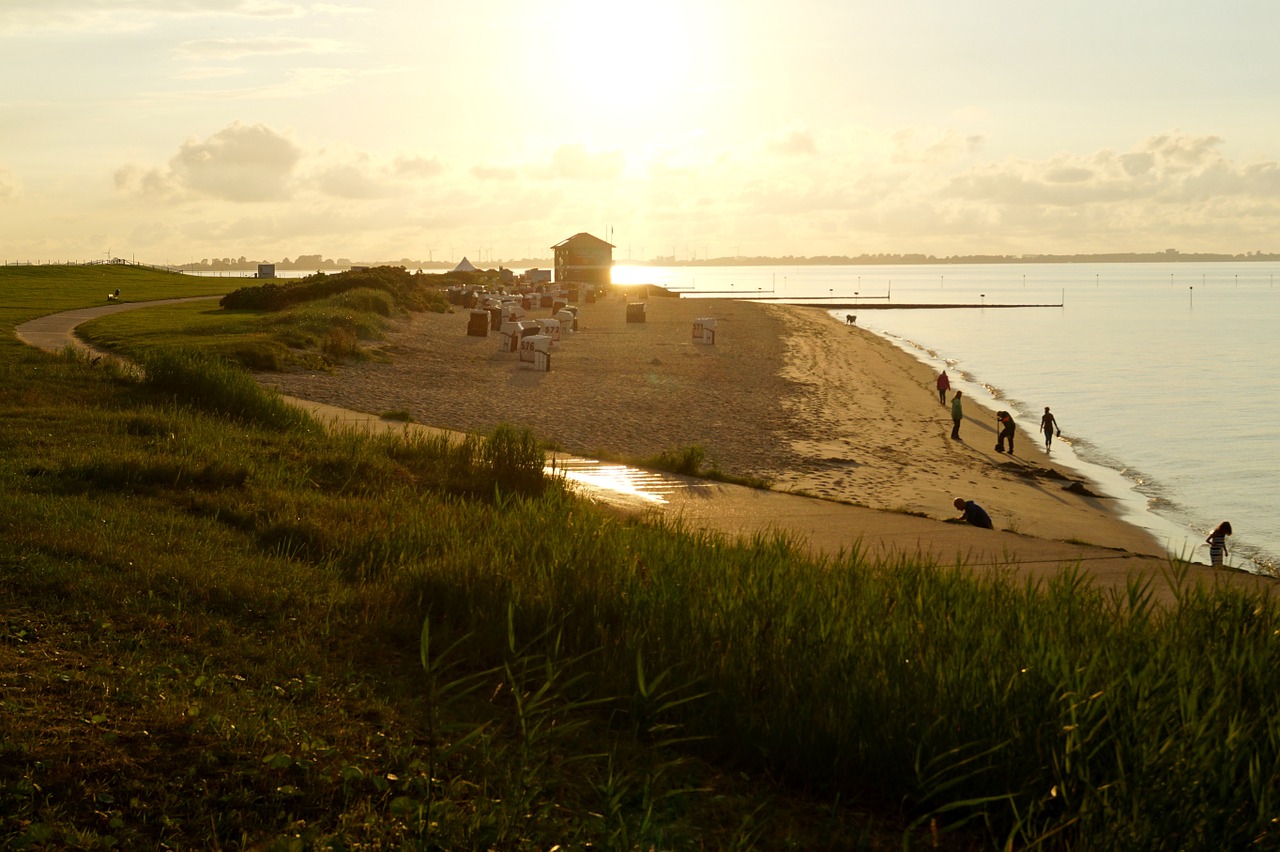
{"type": "Point", "coordinates": [221, 627]}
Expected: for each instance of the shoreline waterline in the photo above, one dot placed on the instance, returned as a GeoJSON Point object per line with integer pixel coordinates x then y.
{"type": "Point", "coordinates": [1131, 506]}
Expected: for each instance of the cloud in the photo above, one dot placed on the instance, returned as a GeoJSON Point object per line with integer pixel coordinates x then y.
{"type": "Point", "coordinates": [575, 162]}
{"type": "Point", "coordinates": [1162, 169]}
{"type": "Point", "coordinates": [494, 173]}
{"type": "Point", "coordinates": [241, 163]}
{"type": "Point", "coordinates": [101, 16]}
{"type": "Point", "coordinates": [352, 180]}
{"type": "Point", "coordinates": [794, 143]}
{"type": "Point", "coordinates": [361, 176]}
{"type": "Point", "coordinates": [416, 168]}
{"type": "Point", "coordinates": [253, 163]}
{"type": "Point", "coordinates": [227, 49]}
{"type": "Point", "coordinates": [10, 189]}
{"type": "Point", "coordinates": [918, 145]}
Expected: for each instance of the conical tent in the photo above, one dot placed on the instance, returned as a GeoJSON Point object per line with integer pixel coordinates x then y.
{"type": "Point", "coordinates": [465, 266]}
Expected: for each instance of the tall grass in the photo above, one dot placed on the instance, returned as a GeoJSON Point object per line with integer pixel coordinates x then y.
{"type": "Point", "coordinates": [1028, 713]}
{"type": "Point", "coordinates": [220, 387]}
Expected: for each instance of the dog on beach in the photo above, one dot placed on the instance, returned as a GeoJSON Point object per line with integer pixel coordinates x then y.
{"type": "Point", "coordinates": [850, 319]}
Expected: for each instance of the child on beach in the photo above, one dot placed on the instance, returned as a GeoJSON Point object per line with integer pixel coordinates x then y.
{"type": "Point", "coordinates": [944, 385]}
{"type": "Point", "coordinates": [957, 413]}
{"type": "Point", "coordinates": [1217, 542]}
{"type": "Point", "coordinates": [973, 513]}
{"type": "Point", "coordinates": [1049, 425]}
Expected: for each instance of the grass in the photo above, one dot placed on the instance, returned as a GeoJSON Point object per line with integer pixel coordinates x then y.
{"type": "Point", "coordinates": [224, 629]}
{"type": "Point", "coordinates": [692, 460]}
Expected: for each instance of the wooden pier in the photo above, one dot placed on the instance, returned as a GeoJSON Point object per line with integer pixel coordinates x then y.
{"type": "Point", "coordinates": [832, 303]}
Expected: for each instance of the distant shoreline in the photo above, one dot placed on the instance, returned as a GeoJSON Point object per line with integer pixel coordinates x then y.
{"type": "Point", "coordinates": [1169, 256]}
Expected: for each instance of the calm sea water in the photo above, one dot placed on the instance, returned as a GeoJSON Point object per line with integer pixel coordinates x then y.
{"type": "Point", "coordinates": [1165, 378]}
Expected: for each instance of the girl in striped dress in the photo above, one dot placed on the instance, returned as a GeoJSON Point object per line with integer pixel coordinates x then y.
{"type": "Point", "coordinates": [1217, 542]}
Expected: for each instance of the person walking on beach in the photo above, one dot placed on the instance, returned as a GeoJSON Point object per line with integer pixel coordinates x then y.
{"type": "Point", "coordinates": [957, 412]}
{"type": "Point", "coordinates": [1217, 542]}
{"type": "Point", "coordinates": [973, 514]}
{"type": "Point", "coordinates": [1049, 425]}
{"type": "Point", "coordinates": [1004, 430]}
{"type": "Point", "coordinates": [944, 385]}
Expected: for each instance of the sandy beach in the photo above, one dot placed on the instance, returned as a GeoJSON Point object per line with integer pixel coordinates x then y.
{"type": "Point", "coordinates": [785, 393]}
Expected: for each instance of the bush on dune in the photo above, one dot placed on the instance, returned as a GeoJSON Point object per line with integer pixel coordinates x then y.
{"type": "Point", "coordinates": [414, 292]}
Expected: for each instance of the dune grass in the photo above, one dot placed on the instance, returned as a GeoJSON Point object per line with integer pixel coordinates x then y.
{"type": "Point", "coordinates": [221, 627]}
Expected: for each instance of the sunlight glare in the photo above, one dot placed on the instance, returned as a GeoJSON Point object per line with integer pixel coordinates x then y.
{"type": "Point", "coordinates": [626, 58]}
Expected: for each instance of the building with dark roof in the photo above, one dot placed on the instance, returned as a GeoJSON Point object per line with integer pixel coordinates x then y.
{"type": "Point", "coordinates": [584, 259]}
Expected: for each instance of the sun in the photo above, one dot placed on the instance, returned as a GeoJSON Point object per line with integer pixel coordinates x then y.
{"type": "Point", "coordinates": [629, 58]}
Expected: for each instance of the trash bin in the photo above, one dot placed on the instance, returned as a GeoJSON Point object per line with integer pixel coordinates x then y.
{"type": "Point", "coordinates": [635, 312]}
{"type": "Point", "coordinates": [495, 318]}
{"type": "Point", "coordinates": [478, 325]}
{"type": "Point", "coordinates": [704, 330]}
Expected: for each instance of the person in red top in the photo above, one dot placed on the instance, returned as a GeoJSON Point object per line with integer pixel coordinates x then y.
{"type": "Point", "coordinates": [944, 385]}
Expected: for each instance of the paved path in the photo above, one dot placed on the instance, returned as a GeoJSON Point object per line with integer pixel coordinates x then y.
{"type": "Point", "coordinates": [824, 526]}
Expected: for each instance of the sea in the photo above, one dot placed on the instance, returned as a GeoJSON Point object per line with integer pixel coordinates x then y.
{"type": "Point", "coordinates": [1164, 377]}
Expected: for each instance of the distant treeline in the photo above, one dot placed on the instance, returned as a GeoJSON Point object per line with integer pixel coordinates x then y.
{"type": "Point", "coordinates": [318, 262]}
{"type": "Point", "coordinates": [1167, 256]}
{"type": "Point", "coordinates": [310, 262]}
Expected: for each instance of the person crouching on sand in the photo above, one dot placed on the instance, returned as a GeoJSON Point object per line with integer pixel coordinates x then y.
{"type": "Point", "coordinates": [1005, 430]}
{"type": "Point", "coordinates": [1217, 542]}
{"type": "Point", "coordinates": [973, 513]}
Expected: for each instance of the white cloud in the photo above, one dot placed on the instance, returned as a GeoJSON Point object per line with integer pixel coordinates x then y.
{"type": "Point", "coordinates": [99, 16]}
{"type": "Point", "coordinates": [242, 163]}
{"type": "Point", "coordinates": [575, 162]}
{"type": "Point", "coordinates": [227, 49]}
{"type": "Point", "coordinates": [498, 173]}
{"type": "Point", "coordinates": [10, 189]}
{"type": "Point", "coordinates": [793, 143]}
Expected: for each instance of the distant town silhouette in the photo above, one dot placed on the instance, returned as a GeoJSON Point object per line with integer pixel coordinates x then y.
{"type": "Point", "coordinates": [319, 262]}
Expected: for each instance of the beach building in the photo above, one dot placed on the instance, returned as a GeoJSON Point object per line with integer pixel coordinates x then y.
{"type": "Point", "coordinates": [584, 259]}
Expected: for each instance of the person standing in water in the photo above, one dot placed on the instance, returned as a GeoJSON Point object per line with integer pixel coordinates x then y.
{"type": "Point", "coordinates": [1049, 425]}
{"type": "Point", "coordinates": [944, 385]}
{"type": "Point", "coordinates": [1217, 542]}
{"type": "Point", "coordinates": [957, 412]}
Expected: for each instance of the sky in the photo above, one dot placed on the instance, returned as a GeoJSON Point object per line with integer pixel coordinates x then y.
{"type": "Point", "coordinates": [171, 131]}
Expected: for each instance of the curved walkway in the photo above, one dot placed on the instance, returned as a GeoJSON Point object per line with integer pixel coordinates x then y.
{"type": "Point", "coordinates": [826, 527]}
